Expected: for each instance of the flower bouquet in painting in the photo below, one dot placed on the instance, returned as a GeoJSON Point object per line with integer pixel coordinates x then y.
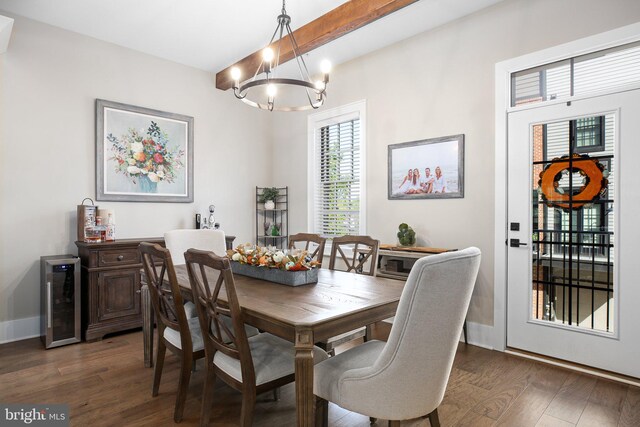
{"type": "Point", "coordinates": [146, 157]}
{"type": "Point", "coordinates": [291, 268]}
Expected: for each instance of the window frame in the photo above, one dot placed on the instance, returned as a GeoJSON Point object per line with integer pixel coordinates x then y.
{"type": "Point", "coordinates": [600, 137]}
{"type": "Point", "coordinates": [314, 123]}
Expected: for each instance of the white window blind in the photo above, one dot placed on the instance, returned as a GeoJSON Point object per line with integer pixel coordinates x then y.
{"type": "Point", "coordinates": [336, 185]}
{"type": "Point", "coordinates": [608, 69]}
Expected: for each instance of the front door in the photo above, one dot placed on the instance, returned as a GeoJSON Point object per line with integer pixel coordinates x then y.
{"type": "Point", "coordinates": [574, 230]}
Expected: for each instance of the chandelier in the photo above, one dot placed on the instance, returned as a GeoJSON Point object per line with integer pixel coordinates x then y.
{"type": "Point", "coordinates": [267, 76]}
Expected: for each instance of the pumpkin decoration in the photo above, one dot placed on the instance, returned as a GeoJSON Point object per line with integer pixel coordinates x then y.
{"type": "Point", "coordinates": [594, 183]}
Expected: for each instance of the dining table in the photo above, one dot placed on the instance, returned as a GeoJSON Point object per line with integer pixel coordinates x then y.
{"type": "Point", "coordinates": [304, 315]}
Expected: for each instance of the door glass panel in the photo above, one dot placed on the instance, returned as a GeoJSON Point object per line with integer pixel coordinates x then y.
{"type": "Point", "coordinates": [573, 222]}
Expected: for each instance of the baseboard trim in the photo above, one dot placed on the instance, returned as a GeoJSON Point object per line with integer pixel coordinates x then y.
{"type": "Point", "coordinates": [19, 329]}
{"type": "Point", "coordinates": [574, 367]}
{"type": "Point", "coordinates": [479, 335]}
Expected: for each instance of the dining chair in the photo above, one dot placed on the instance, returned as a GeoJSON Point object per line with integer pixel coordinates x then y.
{"type": "Point", "coordinates": [250, 365]}
{"type": "Point", "coordinates": [176, 332]}
{"type": "Point", "coordinates": [363, 256]}
{"type": "Point", "coordinates": [357, 254]}
{"type": "Point", "coordinates": [406, 377]}
{"type": "Point", "coordinates": [313, 243]}
{"type": "Point", "coordinates": [178, 241]}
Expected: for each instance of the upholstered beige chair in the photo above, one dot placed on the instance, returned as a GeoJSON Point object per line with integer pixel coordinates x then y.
{"type": "Point", "coordinates": [406, 377]}
{"type": "Point", "coordinates": [176, 332]}
{"type": "Point", "coordinates": [312, 243]}
{"type": "Point", "coordinates": [251, 365]}
{"type": "Point", "coordinates": [178, 241]}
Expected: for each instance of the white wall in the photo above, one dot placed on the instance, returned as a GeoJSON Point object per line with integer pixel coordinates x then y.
{"type": "Point", "coordinates": [441, 83]}
{"type": "Point", "coordinates": [49, 81]}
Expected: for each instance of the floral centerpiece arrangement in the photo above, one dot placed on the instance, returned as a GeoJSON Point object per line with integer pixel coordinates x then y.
{"type": "Point", "coordinates": [146, 157]}
{"type": "Point", "coordinates": [295, 260]}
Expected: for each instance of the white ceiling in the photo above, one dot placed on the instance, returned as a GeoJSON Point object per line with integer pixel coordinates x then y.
{"type": "Point", "coordinates": [213, 34]}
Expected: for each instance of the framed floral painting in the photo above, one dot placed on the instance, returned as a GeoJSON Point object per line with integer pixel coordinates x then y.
{"type": "Point", "coordinates": [143, 155]}
{"type": "Point", "coordinates": [427, 169]}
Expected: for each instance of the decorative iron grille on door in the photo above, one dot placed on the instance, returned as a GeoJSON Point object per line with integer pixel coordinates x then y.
{"type": "Point", "coordinates": [573, 215]}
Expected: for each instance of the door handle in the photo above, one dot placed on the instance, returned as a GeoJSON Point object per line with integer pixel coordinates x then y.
{"type": "Point", "coordinates": [515, 243]}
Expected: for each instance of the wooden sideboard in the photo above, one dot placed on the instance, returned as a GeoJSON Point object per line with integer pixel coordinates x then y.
{"type": "Point", "coordinates": [402, 259]}
{"type": "Point", "coordinates": [111, 285]}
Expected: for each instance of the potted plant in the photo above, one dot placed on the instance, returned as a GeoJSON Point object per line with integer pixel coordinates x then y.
{"type": "Point", "coordinates": [269, 196]}
{"type": "Point", "coordinates": [406, 235]}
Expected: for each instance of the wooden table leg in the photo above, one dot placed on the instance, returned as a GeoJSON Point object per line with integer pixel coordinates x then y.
{"type": "Point", "coordinates": [147, 325]}
{"type": "Point", "coordinates": [304, 378]}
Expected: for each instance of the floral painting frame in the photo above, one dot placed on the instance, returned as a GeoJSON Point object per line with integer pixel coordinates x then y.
{"type": "Point", "coordinates": [143, 155]}
{"type": "Point", "coordinates": [426, 169]}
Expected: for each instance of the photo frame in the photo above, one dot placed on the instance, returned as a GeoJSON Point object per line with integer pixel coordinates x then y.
{"type": "Point", "coordinates": [143, 155]}
{"type": "Point", "coordinates": [439, 163]}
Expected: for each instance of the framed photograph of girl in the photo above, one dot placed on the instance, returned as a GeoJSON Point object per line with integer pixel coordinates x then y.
{"type": "Point", "coordinates": [427, 169]}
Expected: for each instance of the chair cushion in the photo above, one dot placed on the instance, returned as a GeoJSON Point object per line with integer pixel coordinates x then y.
{"type": "Point", "coordinates": [190, 310]}
{"type": "Point", "coordinates": [273, 358]}
{"type": "Point", "coordinates": [248, 329]}
{"type": "Point", "coordinates": [327, 374]}
{"type": "Point", "coordinates": [173, 336]}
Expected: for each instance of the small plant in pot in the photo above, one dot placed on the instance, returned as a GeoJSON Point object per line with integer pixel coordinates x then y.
{"type": "Point", "coordinates": [269, 196]}
{"type": "Point", "coordinates": [406, 235]}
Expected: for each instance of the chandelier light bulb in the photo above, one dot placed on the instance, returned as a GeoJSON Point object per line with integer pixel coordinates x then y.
{"type": "Point", "coordinates": [325, 66]}
{"type": "Point", "coordinates": [236, 73]}
{"type": "Point", "coordinates": [271, 90]}
{"type": "Point", "coordinates": [267, 54]}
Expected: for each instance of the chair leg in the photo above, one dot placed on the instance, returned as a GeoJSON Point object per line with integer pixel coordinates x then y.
{"type": "Point", "coordinates": [248, 403]}
{"type": "Point", "coordinates": [207, 394]}
{"type": "Point", "coordinates": [368, 335]}
{"type": "Point", "coordinates": [183, 386]}
{"type": "Point", "coordinates": [464, 330]}
{"type": "Point", "coordinates": [276, 394]}
{"type": "Point", "coordinates": [395, 423]}
{"type": "Point", "coordinates": [433, 418]}
{"type": "Point", "coordinates": [322, 412]}
{"type": "Point", "coordinates": [157, 374]}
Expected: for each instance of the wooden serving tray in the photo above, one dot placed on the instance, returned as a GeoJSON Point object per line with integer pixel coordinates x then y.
{"type": "Point", "coordinates": [421, 249]}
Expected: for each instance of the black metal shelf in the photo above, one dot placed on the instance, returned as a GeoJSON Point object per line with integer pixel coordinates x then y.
{"type": "Point", "coordinates": [266, 218]}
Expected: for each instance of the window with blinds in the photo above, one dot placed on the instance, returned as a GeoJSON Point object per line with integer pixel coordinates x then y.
{"type": "Point", "coordinates": [603, 70]}
{"type": "Point", "coordinates": [337, 185]}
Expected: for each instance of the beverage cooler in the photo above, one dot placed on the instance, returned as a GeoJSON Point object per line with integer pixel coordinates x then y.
{"type": "Point", "coordinates": [60, 300]}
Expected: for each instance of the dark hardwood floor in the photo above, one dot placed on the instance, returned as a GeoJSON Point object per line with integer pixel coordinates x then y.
{"type": "Point", "coordinates": [105, 384]}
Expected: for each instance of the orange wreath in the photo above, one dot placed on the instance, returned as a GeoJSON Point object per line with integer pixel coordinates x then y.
{"type": "Point", "coordinates": [594, 181]}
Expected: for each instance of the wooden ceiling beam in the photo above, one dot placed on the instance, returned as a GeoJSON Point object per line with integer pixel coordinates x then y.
{"type": "Point", "coordinates": [342, 20]}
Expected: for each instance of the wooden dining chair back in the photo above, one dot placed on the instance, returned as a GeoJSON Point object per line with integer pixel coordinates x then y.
{"type": "Point", "coordinates": [312, 243]}
{"type": "Point", "coordinates": [406, 377]}
{"type": "Point", "coordinates": [175, 331]}
{"type": "Point", "coordinates": [251, 365]}
{"type": "Point", "coordinates": [363, 258]}
{"type": "Point", "coordinates": [208, 274]}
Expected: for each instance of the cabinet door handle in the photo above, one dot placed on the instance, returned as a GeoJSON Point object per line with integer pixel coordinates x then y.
{"type": "Point", "coordinates": [120, 257]}
{"type": "Point", "coordinates": [49, 305]}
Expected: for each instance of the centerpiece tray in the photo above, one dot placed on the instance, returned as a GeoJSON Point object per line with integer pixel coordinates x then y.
{"type": "Point", "coordinates": [284, 277]}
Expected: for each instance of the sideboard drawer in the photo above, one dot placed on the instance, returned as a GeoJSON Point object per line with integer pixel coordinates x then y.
{"type": "Point", "coordinates": [118, 257]}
